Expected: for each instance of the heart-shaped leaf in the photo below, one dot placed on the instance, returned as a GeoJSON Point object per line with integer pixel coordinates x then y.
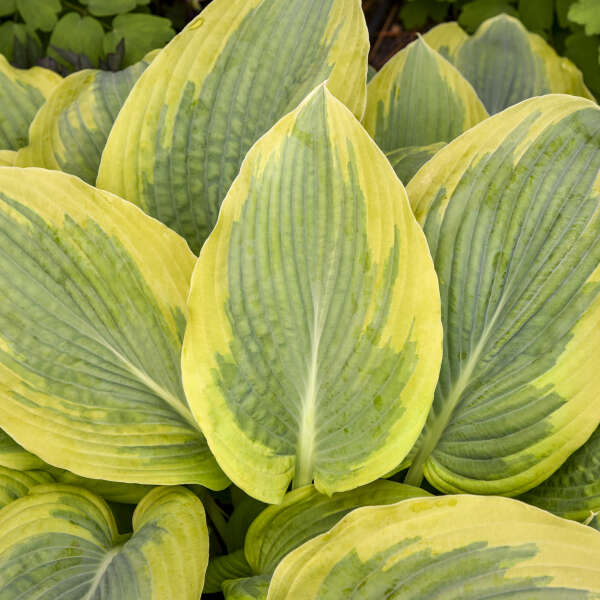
{"type": "Point", "coordinates": [91, 320]}
{"type": "Point", "coordinates": [313, 342]}
{"type": "Point", "coordinates": [62, 541]}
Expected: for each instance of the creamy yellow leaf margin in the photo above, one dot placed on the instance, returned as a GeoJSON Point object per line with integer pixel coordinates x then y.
{"type": "Point", "coordinates": [215, 89]}
{"type": "Point", "coordinates": [511, 211]}
{"type": "Point", "coordinates": [63, 540]}
{"type": "Point", "coordinates": [505, 63]}
{"type": "Point", "coordinates": [464, 547]}
{"type": "Point", "coordinates": [22, 92]}
{"type": "Point", "coordinates": [70, 130]}
{"type": "Point", "coordinates": [92, 318]}
{"type": "Point", "coordinates": [419, 98]}
{"type": "Point", "coordinates": [7, 158]}
{"type": "Point", "coordinates": [283, 389]}
{"type": "Point", "coordinates": [445, 38]}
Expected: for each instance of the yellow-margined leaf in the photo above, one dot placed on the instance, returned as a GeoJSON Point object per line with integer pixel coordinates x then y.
{"type": "Point", "coordinates": [70, 130]}
{"type": "Point", "coordinates": [215, 89]}
{"type": "Point", "coordinates": [22, 92]}
{"type": "Point", "coordinates": [16, 484]}
{"type": "Point", "coordinates": [452, 547]}
{"type": "Point", "coordinates": [61, 541]}
{"type": "Point", "coordinates": [507, 64]}
{"type": "Point", "coordinates": [91, 321]}
{"type": "Point", "coordinates": [574, 490]}
{"type": "Point", "coordinates": [407, 161]}
{"type": "Point", "coordinates": [418, 98]}
{"type": "Point", "coordinates": [511, 211]}
{"type": "Point", "coordinates": [314, 338]}
{"type": "Point", "coordinates": [7, 158]}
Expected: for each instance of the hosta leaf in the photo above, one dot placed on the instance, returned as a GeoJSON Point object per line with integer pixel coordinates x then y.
{"type": "Point", "coordinates": [62, 542]}
{"type": "Point", "coordinates": [313, 340]}
{"type": "Point", "coordinates": [22, 92]}
{"type": "Point", "coordinates": [91, 321]}
{"type": "Point", "coordinates": [70, 130]}
{"type": "Point", "coordinates": [15, 484]}
{"type": "Point", "coordinates": [215, 89]}
{"type": "Point", "coordinates": [574, 490]}
{"type": "Point", "coordinates": [227, 566]}
{"type": "Point", "coordinates": [419, 98]}
{"type": "Point", "coordinates": [125, 493]}
{"type": "Point", "coordinates": [407, 161]}
{"type": "Point", "coordinates": [15, 457]}
{"type": "Point", "coordinates": [507, 64]}
{"type": "Point", "coordinates": [454, 547]}
{"type": "Point", "coordinates": [7, 158]}
{"type": "Point", "coordinates": [250, 588]}
{"type": "Point", "coordinates": [511, 213]}
{"type": "Point", "coordinates": [446, 38]}
{"type": "Point", "coordinates": [304, 514]}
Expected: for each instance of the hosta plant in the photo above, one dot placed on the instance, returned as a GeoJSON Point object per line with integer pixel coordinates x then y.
{"type": "Point", "coordinates": [267, 331]}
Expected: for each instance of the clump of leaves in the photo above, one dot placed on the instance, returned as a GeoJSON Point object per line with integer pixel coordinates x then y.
{"type": "Point", "coordinates": [270, 332]}
{"type": "Point", "coordinates": [571, 27]}
{"type": "Point", "coordinates": [67, 36]}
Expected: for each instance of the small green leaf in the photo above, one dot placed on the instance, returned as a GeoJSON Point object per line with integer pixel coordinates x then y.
{"type": "Point", "coordinates": [586, 13]}
{"type": "Point", "coordinates": [81, 35]}
{"type": "Point", "coordinates": [19, 44]}
{"type": "Point", "coordinates": [141, 33]}
{"type": "Point", "coordinates": [39, 14]}
{"type": "Point", "coordinates": [104, 8]}
{"type": "Point", "coordinates": [536, 15]}
{"type": "Point", "coordinates": [8, 7]}
{"type": "Point", "coordinates": [474, 13]}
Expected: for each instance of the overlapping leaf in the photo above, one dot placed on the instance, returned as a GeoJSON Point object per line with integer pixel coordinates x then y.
{"type": "Point", "coordinates": [511, 211]}
{"type": "Point", "coordinates": [91, 320]}
{"type": "Point", "coordinates": [16, 484]}
{"type": "Point", "coordinates": [62, 542]}
{"type": "Point", "coordinates": [313, 342]}
{"type": "Point", "coordinates": [454, 547]}
{"type": "Point", "coordinates": [70, 130]}
{"type": "Point", "coordinates": [507, 64]}
{"type": "Point", "coordinates": [22, 92]}
{"type": "Point", "coordinates": [15, 457]}
{"type": "Point", "coordinates": [305, 513]}
{"type": "Point", "coordinates": [418, 98]}
{"type": "Point", "coordinates": [407, 161]}
{"type": "Point", "coordinates": [574, 490]}
{"type": "Point", "coordinates": [215, 89]}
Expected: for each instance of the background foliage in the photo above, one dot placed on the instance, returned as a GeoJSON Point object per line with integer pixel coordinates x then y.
{"type": "Point", "coordinates": [67, 35]}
